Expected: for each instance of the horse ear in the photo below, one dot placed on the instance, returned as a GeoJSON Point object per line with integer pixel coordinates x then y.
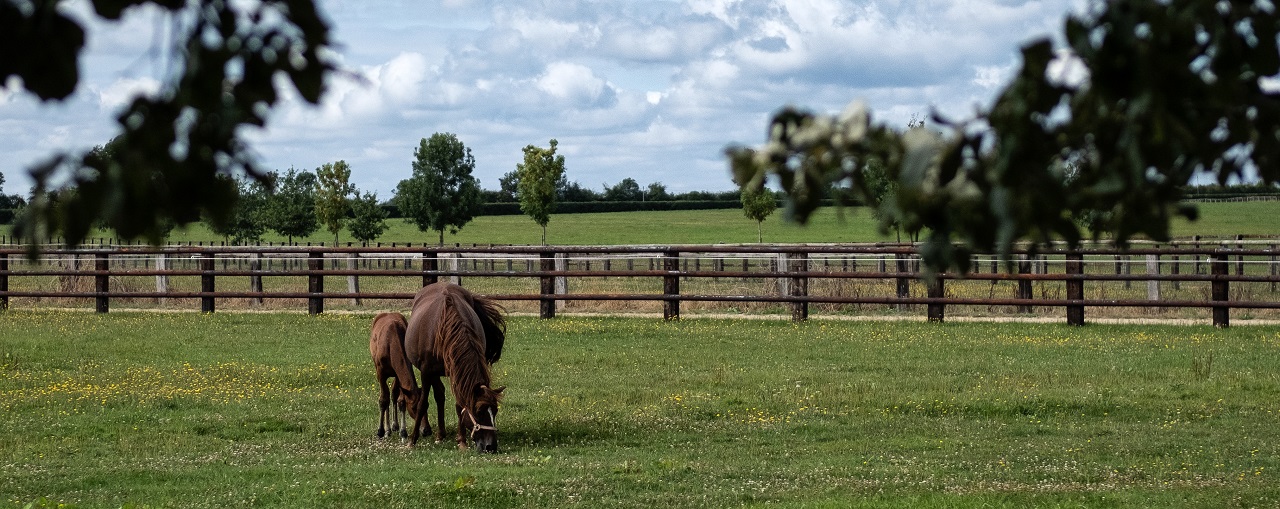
{"type": "Point", "coordinates": [499, 390]}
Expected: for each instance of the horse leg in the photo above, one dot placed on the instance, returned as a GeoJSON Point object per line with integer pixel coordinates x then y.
{"type": "Point", "coordinates": [462, 438]}
{"type": "Point", "coordinates": [417, 422]}
{"type": "Point", "coordinates": [384, 399]}
{"type": "Point", "coordinates": [397, 410]}
{"type": "Point", "coordinates": [437, 387]}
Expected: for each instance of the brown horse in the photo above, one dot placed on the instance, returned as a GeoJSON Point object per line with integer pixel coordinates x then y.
{"type": "Point", "coordinates": [457, 334]}
{"type": "Point", "coordinates": [386, 347]}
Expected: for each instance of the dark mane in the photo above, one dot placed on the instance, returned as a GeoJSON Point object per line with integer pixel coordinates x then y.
{"type": "Point", "coordinates": [461, 348]}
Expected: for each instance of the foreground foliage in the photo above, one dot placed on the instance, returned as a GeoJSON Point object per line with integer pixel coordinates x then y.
{"type": "Point", "coordinates": [184, 410]}
{"type": "Point", "coordinates": [1102, 135]}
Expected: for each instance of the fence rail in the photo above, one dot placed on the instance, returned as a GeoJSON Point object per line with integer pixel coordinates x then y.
{"type": "Point", "coordinates": [1217, 277]}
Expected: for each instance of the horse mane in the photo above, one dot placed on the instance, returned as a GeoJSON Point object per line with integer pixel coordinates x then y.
{"type": "Point", "coordinates": [461, 348]}
{"type": "Point", "coordinates": [495, 326]}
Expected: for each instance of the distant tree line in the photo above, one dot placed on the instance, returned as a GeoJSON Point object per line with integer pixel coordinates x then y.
{"type": "Point", "coordinates": [442, 195]}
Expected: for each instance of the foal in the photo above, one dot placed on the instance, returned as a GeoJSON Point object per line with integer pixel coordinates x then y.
{"type": "Point", "coordinates": [386, 347]}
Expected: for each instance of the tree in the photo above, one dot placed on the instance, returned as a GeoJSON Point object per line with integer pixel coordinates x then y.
{"type": "Point", "coordinates": [575, 192]}
{"type": "Point", "coordinates": [172, 146]}
{"type": "Point", "coordinates": [248, 220]}
{"type": "Point", "coordinates": [538, 175]}
{"type": "Point", "coordinates": [509, 187]}
{"type": "Point", "coordinates": [656, 192]}
{"type": "Point", "coordinates": [626, 190]}
{"type": "Point", "coordinates": [369, 220]}
{"type": "Point", "coordinates": [1169, 89]}
{"type": "Point", "coordinates": [331, 192]}
{"type": "Point", "coordinates": [758, 205]}
{"type": "Point", "coordinates": [291, 210]}
{"type": "Point", "coordinates": [442, 194]}
{"type": "Point", "coordinates": [4, 199]}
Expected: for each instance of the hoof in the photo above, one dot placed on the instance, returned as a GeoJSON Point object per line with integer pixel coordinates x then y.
{"type": "Point", "coordinates": [404, 434]}
{"type": "Point", "coordinates": [381, 433]}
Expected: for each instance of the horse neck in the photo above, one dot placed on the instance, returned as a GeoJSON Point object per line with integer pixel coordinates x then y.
{"type": "Point", "coordinates": [462, 351]}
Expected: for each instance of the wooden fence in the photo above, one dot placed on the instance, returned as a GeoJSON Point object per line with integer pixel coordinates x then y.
{"type": "Point", "coordinates": [797, 277]}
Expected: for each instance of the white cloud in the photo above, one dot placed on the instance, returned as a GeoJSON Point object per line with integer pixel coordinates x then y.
{"type": "Point", "coordinates": [992, 77]}
{"type": "Point", "coordinates": [574, 83]}
{"type": "Point", "coordinates": [649, 90]}
{"type": "Point", "coordinates": [402, 79]}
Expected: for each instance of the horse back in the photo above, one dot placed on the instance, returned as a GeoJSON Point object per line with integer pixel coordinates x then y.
{"type": "Point", "coordinates": [387, 327]}
{"type": "Point", "coordinates": [429, 306]}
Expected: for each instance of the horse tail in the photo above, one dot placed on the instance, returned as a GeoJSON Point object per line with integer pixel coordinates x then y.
{"type": "Point", "coordinates": [495, 327]}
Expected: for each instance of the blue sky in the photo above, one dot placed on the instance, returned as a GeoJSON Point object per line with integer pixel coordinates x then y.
{"type": "Point", "coordinates": [651, 90]}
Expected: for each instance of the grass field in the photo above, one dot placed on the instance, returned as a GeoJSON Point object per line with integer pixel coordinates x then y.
{"type": "Point", "coordinates": [278, 410]}
{"type": "Point", "coordinates": [1218, 220]}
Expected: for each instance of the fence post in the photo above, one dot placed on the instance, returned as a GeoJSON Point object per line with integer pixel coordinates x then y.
{"type": "Point", "coordinates": [255, 281]}
{"type": "Point", "coordinates": [430, 263]}
{"type": "Point", "coordinates": [455, 266]}
{"type": "Point", "coordinates": [671, 285]}
{"type": "Point", "coordinates": [562, 283]}
{"type": "Point", "coordinates": [315, 283]}
{"type": "Point", "coordinates": [353, 281]}
{"type": "Point", "coordinates": [206, 282]}
{"type": "Point", "coordinates": [162, 280]}
{"type": "Point", "coordinates": [102, 282]}
{"type": "Point", "coordinates": [4, 281]}
{"type": "Point", "coordinates": [903, 283]}
{"type": "Point", "coordinates": [547, 306]}
{"type": "Point", "coordinates": [1024, 285]}
{"type": "Point", "coordinates": [1075, 288]}
{"type": "Point", "coordinates": [936, 310]}
{"type": "Point", "coordinates": [1240, 258]}
{"type": "Point", "coordinates": [799, 262]}
{"type": "Point", "coordinates": [1153, 285]}
{"type": "Point", "coordinates": [1219, 291]}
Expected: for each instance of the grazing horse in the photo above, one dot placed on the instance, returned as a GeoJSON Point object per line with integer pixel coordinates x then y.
{"type": "Point", "coordinates": [457, 334]}
{"type": "Point", "coordinates": [386, 347]}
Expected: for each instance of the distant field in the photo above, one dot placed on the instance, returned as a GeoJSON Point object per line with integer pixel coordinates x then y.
{"type": "Point", "coordinates": [278, 410]}
{"type": "Point", "coordinates": [855, 224]}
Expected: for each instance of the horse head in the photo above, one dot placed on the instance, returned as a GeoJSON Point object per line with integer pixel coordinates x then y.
{"type": "Point", "coordinates": [409, 401]}
{"type": "Point", "coordinates": [483, 418]}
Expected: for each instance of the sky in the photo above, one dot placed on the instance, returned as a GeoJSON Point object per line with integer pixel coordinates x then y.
{"type": "Point", "coordinates": [651, 90]}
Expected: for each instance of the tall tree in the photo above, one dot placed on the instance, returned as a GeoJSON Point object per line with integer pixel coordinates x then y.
{"type": "Point", "coordinates": [541, 170]}
{"type": "Point", "coordinates": [333, 187]}
{"type": "Point", "coordinates": [442, 194]}
{"type": "Point", "coordinates": [291, 210]}
{"type": "Point", "coordinates": [172, 145]}
{"type": "Point", "coordinates": [758, 205]}
{"type": "Point", "coordinates": [369, 219]}
{"type": "Point", "coordinates": [656, 192]}
{"type": "Point", "coordinates": [1168, 89]}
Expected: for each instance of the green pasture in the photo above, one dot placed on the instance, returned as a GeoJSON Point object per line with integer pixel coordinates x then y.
{"type": "Point", "coordinates": [278, 410]}
{"type": "Point", "coordinates": [850, 224]}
